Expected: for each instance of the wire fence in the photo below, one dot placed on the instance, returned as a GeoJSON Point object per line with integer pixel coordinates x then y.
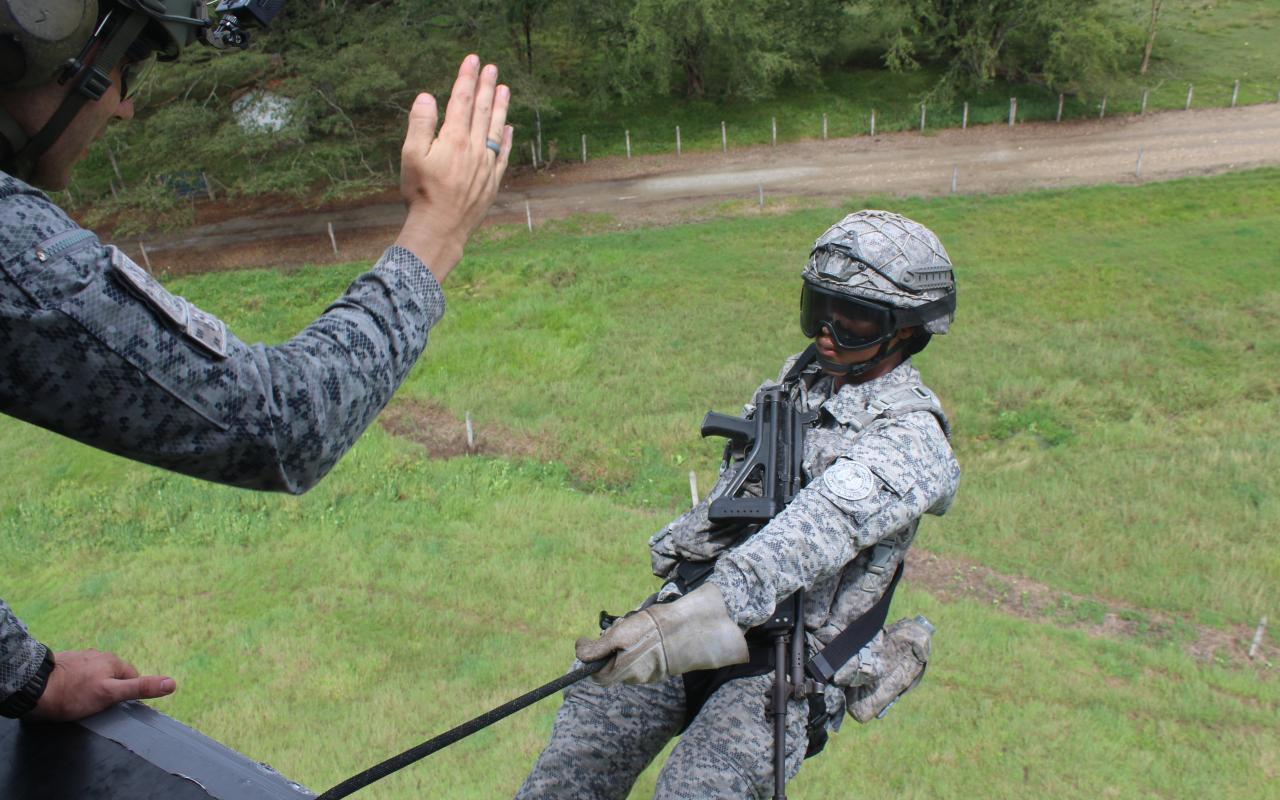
{"type": "Point", "coordinates": [607, 140]}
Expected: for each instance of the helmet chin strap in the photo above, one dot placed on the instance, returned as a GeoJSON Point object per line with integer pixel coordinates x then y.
{"type": "Point", "coordinates": [849, 371]}
{"type": "Point", "coordinates": [90, 83]}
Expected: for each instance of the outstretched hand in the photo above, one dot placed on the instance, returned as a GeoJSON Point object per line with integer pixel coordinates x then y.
{"type": "Point", "coordinates": [84, 682]}
{"type": "Point", "coordinates": [448, 180]}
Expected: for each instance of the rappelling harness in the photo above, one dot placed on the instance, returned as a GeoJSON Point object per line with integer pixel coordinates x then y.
{"type": "Point", "coordinates": [773, 440]}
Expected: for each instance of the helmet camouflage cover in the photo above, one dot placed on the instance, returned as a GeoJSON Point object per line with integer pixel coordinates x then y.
{"type": "Point", "coordinates": [40, 39]}
{"type": "Point", "coordinates": [885, 258]}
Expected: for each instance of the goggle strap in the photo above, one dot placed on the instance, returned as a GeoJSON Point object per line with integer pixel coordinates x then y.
{"type": "Point", "coordinates": [920, 315]}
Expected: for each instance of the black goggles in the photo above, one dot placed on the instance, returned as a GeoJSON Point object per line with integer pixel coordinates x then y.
{"type": "Point", "coordinates": [854, 324]}
{"type": "Point", "coordinates": [138, 60]}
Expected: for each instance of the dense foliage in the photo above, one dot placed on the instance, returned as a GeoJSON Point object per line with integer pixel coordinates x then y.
{"type": "Point", "coordinates": [344, 72]}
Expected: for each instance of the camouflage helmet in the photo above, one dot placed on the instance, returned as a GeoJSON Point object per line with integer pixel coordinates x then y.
{"type": "Point", "coordinates": [38, 41]}
{"type": "Point", "coordinates": [888, 260]}
{"type": "Point", "coordinates": [82, 42]}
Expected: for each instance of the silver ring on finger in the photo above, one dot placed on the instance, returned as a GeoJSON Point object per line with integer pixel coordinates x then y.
{"type": "Point", "coordinates": [494, 145]}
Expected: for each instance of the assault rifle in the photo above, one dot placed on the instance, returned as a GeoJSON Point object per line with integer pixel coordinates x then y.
{"type": "Point", "coordinates": [774, 443]}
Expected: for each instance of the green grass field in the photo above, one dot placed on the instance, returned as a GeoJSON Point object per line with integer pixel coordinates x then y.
{"type": "Point", "coordinates": [1113, 382]}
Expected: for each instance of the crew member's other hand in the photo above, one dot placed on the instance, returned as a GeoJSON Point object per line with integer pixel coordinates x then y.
{"type": "Point", "coordinates": [449, 180]}
{"type": "Point", "coordinates": [694, 632]}
{"type": "Point", "coordinates": [84, 682]}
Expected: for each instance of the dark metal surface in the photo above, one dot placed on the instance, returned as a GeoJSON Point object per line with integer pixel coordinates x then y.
{"type": "Point", "coordinates": [129, 751]}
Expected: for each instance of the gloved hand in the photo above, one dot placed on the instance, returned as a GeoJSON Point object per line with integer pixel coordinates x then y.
{"type": "Point", "coordinates": [694, 632]}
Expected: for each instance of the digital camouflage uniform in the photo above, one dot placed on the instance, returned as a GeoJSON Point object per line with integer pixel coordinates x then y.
{"type": "Point", "coordinates": [93, 348]}
{"type": "Point", "coordinates": [871, 475]}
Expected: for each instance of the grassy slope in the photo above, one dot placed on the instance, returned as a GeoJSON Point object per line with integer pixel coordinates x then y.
{"type": "Point", "coordinates": [1112, 378]}
{"type": "Point", "coordinates": [1208, 44]}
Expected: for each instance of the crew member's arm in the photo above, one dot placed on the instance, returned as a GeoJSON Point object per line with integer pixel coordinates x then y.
{"type": "Point", "coordinates": [895, 472]}
{"type": "Point", "coordinates": [23, 667]}
{"type": "Point", "coordinates": [95, 349]}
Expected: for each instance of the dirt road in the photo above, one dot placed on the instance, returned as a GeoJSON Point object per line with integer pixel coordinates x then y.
{"type": "Point", "coordinates": [658, 189]}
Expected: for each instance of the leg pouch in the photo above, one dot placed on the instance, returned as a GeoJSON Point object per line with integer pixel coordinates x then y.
{"type": "Point", "coordinates": [899, 664]}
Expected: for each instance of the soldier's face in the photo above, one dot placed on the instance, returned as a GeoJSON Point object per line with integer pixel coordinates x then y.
{"type": "Point", "coordinates": [830, 351]}
{"type": "Point", "coordinates": [32, 108]}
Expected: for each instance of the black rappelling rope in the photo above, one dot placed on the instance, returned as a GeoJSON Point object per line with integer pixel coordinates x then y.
{"type": "Point", "coordinates": [379, 771]}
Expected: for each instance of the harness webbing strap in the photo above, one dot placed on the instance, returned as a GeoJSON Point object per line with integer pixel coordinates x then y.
{"type": "Point", "coordinates": [846, 644]}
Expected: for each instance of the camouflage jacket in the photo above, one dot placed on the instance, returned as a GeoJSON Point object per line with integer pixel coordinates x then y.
{"type": "Point", "coordinates": [842, 537]}
{"type": "Point", "coordinates": [94, 348]}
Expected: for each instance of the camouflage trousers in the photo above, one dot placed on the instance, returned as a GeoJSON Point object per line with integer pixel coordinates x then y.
{"type": "Point", "coordinates": [604, 737]}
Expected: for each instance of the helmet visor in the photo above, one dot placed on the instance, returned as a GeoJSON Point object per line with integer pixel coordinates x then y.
{"type": "Point", "coordinates": [854, 324]}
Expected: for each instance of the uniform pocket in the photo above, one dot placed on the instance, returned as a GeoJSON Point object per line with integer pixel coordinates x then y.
{"type": "Point", "coordinates": [899, 664]}
{"type": "Point", "coordinates": [151, 334]}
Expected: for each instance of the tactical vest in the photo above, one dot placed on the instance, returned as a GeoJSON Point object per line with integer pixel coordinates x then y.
{"type": "Point", "coordinates": [694, 538]}
{"type": "Point", "coordinates": [858, 603]}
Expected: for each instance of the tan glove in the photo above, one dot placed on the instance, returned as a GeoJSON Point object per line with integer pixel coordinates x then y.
{"type": "Point", "coordinates": [694, 632]}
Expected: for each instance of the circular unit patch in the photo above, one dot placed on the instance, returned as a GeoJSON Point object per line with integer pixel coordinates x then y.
{"type": "Point", "coordinates": [849, 480]}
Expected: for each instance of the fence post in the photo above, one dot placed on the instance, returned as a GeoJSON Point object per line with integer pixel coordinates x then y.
{"type": "Point", "coordinates": [1190, 88]}
{"type": "Point", "coordinates": [964, 120]}
{"type": "Point", "coordinates": [955, 175]}
{"type": "Point", "coordinates": [760, 189]}
{"type": "Point", "coordinates": [724, 138]}
{"type": "Point", "coordinates": [774, 124]}
{"type": "Point", "coordinates": [1102, 111]}
{"type": "Point", "coordinates": [677, 140]}
{"type": "Point", "coordinates": [528, 216]}
{"type": "Point", "coordinates": [1013, 110]}
{"type": "Point", "coordinates": [873, 123]}
{"type": "Point", "coordinates": [1137, 170]}
{"type": "Point", "coordinates": [824, 127]}
{"type": "Point", "coordinates": [333, 240]}
{"type": "Point", "coordinates": [1257, 638]}
{"type": "Point", "coordinates": [471, 435]}
{"type": "Point", "coordinates": [628, 143]}
{"type": "Point", "coordinates": [584, 148]}
{"type": "Point", "coordinates": [1235, 93]}
{"type": "Point", "coordinates": [1061, 98]}
{"type": "Point", "coordinates": [533, 153]}
{"type": "Point", "coordinates": [1144, 102]}
{"type": "Point", "coordinates": [922, 113]}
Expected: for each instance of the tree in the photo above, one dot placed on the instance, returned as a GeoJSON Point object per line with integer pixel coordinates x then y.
{"type": "Point", "coordinates": [1067, 43]}
{"type": "Point", "coordinates": [721, 48]}
{"type": "Point", "coordinates": [1151, 35]}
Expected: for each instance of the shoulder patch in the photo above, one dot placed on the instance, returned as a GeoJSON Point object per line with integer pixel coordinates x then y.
{"type": "Point", "coordinates": [208, 331]}
{"type": "Point", "coordinates": [170, 306]}
{"type": "Point", "coordinates": [849, 480]}
{"type": "Point", "coordinates": [201, 327]}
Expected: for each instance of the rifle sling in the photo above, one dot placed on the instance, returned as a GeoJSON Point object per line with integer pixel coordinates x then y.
{"type": "Point", "coordinates": [802, 363]}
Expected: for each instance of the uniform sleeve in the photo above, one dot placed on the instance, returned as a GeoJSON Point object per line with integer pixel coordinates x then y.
{"type": "Point", "coordinates": [93, 348]}
{"type": "Point", "coordinates": [20, 654]}
{"type": "Point", "coordinates": [892, 475]}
